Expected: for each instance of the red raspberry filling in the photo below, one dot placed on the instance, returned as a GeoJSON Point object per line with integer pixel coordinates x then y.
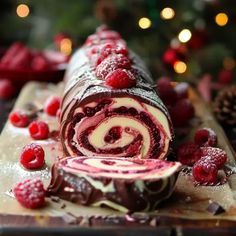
{"type": "Point", "coordinates": [205, 172]}
{"type": "Point", "coordinates": [52, 105]}
{"type": "Point", "coordinates": [19, 119]}
{"type": "Point", "coordinates": [120, 78]}
{"type": "Point", "coordinates": [205, 137]}
{"type": "Point", "coordinates": [30, 193]}
{"type": "Point", "coordinates": [38, 130]}
{"type": "Point", "coordinates": [32, 156]}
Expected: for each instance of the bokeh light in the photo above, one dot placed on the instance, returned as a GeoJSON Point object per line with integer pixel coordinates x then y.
{"type": "Point", "coordinates": [167, 13]}
{"type": "Point", "coordinates": [144, 23]}
{"type": "Point", "coordinates": [229, 63]}
{"type": "Point", "coordinates": [66, 46]}
{"type": "Point", "coordinates": [22, 10]}
{"type": "Point", "coordinates": [185, 35]}
{"type": "Point", "coordinates": [180, 67]}
{"type": "Point", "coordinates": [221, 19]}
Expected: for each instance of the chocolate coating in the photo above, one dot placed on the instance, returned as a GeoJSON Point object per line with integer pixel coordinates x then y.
{"type": "Point", "coordinates": [110, 183]}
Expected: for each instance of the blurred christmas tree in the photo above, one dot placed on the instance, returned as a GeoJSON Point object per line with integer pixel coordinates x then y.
{"type": "Point", "coordinates": [184, 39]}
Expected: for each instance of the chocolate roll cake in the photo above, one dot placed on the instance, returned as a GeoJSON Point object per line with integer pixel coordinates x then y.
{"type": "Point", "coordinates": [124, 184]}
{"type": "Point", "coordinates": [110, 107]}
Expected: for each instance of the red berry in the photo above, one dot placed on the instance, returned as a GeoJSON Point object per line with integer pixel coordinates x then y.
{"type": "Point", "coordinates": [188, 153]}
{"type": "Point", "coordinates": [10, 53]}
{"type": "Point", "coordinates": [111, 63]}
{"type": "Point", "coordinates": [19, 119]}
{"type": "Point", "coordinates": [52, 105]}
{"type": "Point", "coordinates": [182, 112]}
{"type": "Point", "coordinates": [120, 78]}
{"type": "Point", "coordinates": [32, 156]}
{"type": "Point", "coordinates": [38, 130]}
{"type": "Point", "coordinates": [22, 59]}
{"type": "Point", "coordinates": [217, 155]}
{"type": "Point", "coordinates": [205, 172]}
{"type": "Point", "coordinates": [102, 28]}
{"type": "Point", "coordinates": [92, 39]}
{"type": "Point", "coordinates": [39, 62]}
{"type": "Point", "coordinates": [108, 49]}
{"type": "Point", "coordinates": [166, 92]}
{"type": "Point", "coordinates": [6, 89]}
{"type": "Point", "coordinates": [205, 137]}
{"type": "Point", "coordinates": [30, 193]}
{"type": "Point", "coordinates": [182, 90]}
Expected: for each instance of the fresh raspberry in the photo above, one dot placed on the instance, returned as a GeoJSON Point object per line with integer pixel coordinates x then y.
{"type": "Point", "coordinates": [205, 137]}
{"type": "Point", "coordinates": [111, 63]}
{"type": "Point", "coordinates": [205, 172]}
{"type": "Point", "coordinates": [182, 90]}
{"type": "Point", "coordinates": [10, 53]}
{"type": "Point", "coordinates": [22, 59]}
{"type": "Point", "coordinates": [19, 119]}
{"type": "Point", "coordinates": [40, 63]}
{"type": "Point", "coordinates": [166, 92]}
{"type": "Point", "coordinates": [188, 153]}
{"type": "Point", "coordinates": [38, 130]}
{"type": "Point", "coordinates": [51, 105]}
{"type": "Point", "coordinates": [32, 156]}
{"type": "Point", "coordinates": [6, 89]}
{"type": "Point", "coordinates": [182, 112]}
{"type": "Point", "coordinates": [108, 49]}
{"type": "Point", "coordinates": [217, 155]}
{"type": "Point", "coordinates": [120, 79]}
{"type": "Point", "coordinates": [30, 193]}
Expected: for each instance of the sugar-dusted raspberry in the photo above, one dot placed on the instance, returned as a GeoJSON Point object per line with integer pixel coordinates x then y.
{"type": "Point", "coordinates": [110, 48]}
{"type": "Point", "coordinates": [92, 39]}
{"type": "Point", "coordinates": [166, 91]}
{"type": "Point", "coordinates": [109, 34]}
{"type": "Point", "coordinates": [205, 172]}
{"type": "Point", "coordinates": [205, 137]}
{"type": "Point", "coordinates": [52, 105]}
{"type": "Point", "coordinates": [32, 156]}
{"type": "Point", "coordinates": [30, 193]}
{"type": "Point", "coordinates": [38, 130]}
{"type": "Point", "coordinates": [111, 63]}
{"type": "Point", "coordinates": [120, 78]}
{"type": "Point", "coordinates": [19, 119]}
{"type": "Point", "coordinates": [182, 90]}
{"type": "Point", "coordinates": [102, 28]}
{"type": "Point", "coordinates": [6, 89]}
{"type": "Point", "coordinates": [188, 153]}
{"type": "Point", "coordinates": [182, 112]}
{"type": "Point", "coordinates": [217, 155]}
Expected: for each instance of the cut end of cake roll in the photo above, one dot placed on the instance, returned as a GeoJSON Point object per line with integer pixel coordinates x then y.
{"type": "Point", "coordinates": [123, 184]}
{"type": "Point", "coordinates": [106, 113]}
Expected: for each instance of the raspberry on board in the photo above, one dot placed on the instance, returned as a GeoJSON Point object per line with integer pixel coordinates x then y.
{"type": "Point", "coordinates": [52, 105]}
{"type": "Point", "coordinates": [205, 137]}
{"type": "Point", "coordinates": [32, 156]}
{"type": "Point", "coordinates": [217, 155]}
{"type": "Point", "coordinates": [188, 153]}
{"type": "Point", "coordinates": [205, 172]}
{"type": "Point", "coordinates": [39, 130]}
{"type": "Point", "coordinates": [30, 193]}
{"type": "Point", "coordinates": [19, 119]}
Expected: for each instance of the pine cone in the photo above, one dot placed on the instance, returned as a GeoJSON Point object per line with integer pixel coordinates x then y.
{"type": "Point", "coordinates": [225, 106]}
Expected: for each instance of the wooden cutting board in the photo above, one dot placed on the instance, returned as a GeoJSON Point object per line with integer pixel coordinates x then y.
{"type": "Point", "coordinates": [186, 206]}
